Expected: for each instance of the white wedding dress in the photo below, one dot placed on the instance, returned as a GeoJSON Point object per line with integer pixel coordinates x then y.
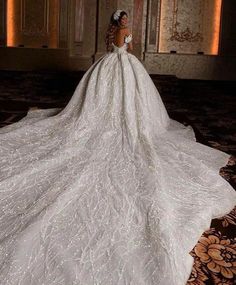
{"type": "Point", "coordinates": [110, 190]}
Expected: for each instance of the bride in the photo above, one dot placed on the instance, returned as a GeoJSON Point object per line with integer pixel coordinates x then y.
{"type": "Point", "coordinates": [110, 190]}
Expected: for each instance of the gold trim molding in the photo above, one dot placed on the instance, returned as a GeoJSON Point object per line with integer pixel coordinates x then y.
{"type": "Point", "coordinates": [185, 35]}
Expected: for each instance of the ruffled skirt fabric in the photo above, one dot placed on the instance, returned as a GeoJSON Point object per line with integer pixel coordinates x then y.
{"type": "Point", "coordinates": [109, 190]}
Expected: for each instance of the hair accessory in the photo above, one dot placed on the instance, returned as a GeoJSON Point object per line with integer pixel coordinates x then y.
{"type": "Point", "coordinates": [117, 14]}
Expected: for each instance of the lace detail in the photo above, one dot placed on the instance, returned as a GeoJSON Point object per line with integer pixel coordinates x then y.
{"type": "Point", "coordinates": [108, 190]}
{"type": "Point", "coordinates": [119, 50]}
{"type": "Point", "coordinates": [122, 49]}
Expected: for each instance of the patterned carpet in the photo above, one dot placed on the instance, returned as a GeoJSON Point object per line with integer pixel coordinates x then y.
{"type": "Point", "coordinates": [208, 106]}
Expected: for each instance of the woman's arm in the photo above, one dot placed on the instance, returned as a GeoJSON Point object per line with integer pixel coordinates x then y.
{"type": "Point", "coordinates": [130, 44]}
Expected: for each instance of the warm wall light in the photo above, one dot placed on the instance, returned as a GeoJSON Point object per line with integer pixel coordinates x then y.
{"type": "Point", "coordinates": [216, 27]}
{"type": "Point", "coordinates": [10, 23]}
{"type": "Point", "coordinates": [30, 27]}
{"type": "Point", "coordinates": [176, 32]}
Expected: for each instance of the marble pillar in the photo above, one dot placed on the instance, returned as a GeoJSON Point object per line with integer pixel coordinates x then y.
{"type": "Point", "coordinates": [63, 24]}
{"type": "Point", "coordinates": [153, 25]}
{"type": "Point", "coordinates": [104, 12]}
{"type": "Point", "coordinates": [82, 27]}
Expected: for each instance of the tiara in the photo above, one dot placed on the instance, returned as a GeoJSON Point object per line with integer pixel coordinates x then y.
{"type": "Point", "coordinates": [117, 14]}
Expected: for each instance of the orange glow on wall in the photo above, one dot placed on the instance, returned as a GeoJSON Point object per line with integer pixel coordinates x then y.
{"type": "Point", "coordinates": [10, 23]}
{"type": "Point", "coordinates": [33, 24]}
{"type": "Point", "coordinates": [216, 27]}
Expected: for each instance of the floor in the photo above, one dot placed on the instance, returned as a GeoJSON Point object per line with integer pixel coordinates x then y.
{"type": "Point", "coordinates": [209, 106]}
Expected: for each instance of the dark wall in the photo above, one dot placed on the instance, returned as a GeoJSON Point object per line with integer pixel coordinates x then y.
{"type": "Point", "coordinates": [228, 28]}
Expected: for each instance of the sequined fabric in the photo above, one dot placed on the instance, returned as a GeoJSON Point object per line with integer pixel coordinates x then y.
{"type": "Point", "coordinates": [105, 190]}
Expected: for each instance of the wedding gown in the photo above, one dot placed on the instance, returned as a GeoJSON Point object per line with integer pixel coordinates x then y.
{"type": "Point", "coordinates": [109, 190]}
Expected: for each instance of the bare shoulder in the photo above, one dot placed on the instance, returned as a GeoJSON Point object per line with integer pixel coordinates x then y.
{"type": "Point", "coordinates": [121, 35]}
{"type": "Point", "coordinates": [125, 31]}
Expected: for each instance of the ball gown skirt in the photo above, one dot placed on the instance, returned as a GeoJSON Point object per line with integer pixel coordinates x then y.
{"type": "Point", "coordinates": [109, 190]}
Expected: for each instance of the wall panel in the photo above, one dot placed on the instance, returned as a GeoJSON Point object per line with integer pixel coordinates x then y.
{"type": "Point", "coordinates": [2, 22]}
{"type": "Point", "coordinates": [228, 29]}
{"type": "Point", "coordinates": [33, 23]}
{"type": "Point", "coordinates": [153, 25]}
{"type": "Point", "coordinates": [188, 26]}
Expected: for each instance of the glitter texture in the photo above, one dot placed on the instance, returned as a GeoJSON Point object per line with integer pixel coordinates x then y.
{"type": "Point", "coordinates": [105, 190]}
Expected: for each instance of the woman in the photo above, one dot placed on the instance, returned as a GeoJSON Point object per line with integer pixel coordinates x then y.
{"type": "Point", "coordinates": [106, 190]}
{"type": "Point", "coordinates": [117, 31]}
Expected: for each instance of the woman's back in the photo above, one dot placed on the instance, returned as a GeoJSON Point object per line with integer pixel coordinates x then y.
{"type": "Point", "coordinates": [116, 35]}
{"type": "Point", "coordinates": [120, 36]}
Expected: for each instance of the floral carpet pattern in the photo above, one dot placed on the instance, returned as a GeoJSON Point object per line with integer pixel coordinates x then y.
{"type": "Point", "coordinates": [208, 106]}
{"type": "Point", "coordinates": [215, 255]}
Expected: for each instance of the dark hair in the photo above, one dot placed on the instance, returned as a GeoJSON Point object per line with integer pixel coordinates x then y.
{"type": "Point", "coordinates": [110, 34]}
{"type": "Point", "coordinates": [116, 22]}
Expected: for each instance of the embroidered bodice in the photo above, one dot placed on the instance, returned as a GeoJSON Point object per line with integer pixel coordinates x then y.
{"type": "Point", "coordinates": [123, 48]}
